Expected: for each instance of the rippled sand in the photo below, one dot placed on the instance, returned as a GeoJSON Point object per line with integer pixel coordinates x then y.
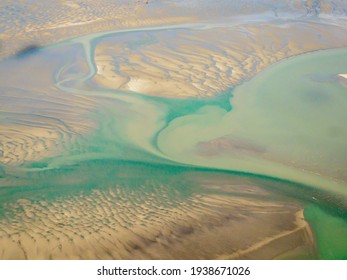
{"type": "Point", "coordinates": [49, 22]}
{"type": "Point", "coordinates": [171, 135]}
{"type": "Point", "coordinates": [205, 60]}
{"type": "Point", "coordinates": [158, 214]}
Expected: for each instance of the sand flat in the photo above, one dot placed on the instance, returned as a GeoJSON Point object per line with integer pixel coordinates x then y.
{"type": "Point", "coordinates": [190, 65]}
{"type": "Point", "coordinates": [162, 131]}
{"type": "Point", "coordinates": [210, 226]}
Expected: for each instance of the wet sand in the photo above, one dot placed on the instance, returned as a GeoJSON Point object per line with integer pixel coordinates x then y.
{"type": "Point", "coordinates": [216, 216]}
{"type": "Point", "coordinates": [141, 140]}
{"type": "Point", "coordinates": [204, 61]}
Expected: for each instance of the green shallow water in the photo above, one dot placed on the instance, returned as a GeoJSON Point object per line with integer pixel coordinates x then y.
{"type": "Point", "coordinates": [285, 127]}
{"type": "Point", "coordinates": [330, 230]}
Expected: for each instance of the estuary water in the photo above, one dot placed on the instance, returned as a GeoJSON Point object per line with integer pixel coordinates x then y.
{"type": "Point", "coordinates": [90, 161]}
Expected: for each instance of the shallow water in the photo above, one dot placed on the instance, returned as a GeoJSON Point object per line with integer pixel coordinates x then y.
{"type": "Point", "coordinates": [281, 132]}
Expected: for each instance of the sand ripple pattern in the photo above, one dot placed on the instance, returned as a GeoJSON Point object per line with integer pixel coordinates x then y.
{"type": "Point", "coordinates": [96, 162]}
{"type": "Point", "coordinates": [150, 220]}
{"type": "Point", "coordinates": [193, 62]}
{"type": "Point", "coordinates": [46, 22]}
{"type": "Point", "coordinates": [34, 126]}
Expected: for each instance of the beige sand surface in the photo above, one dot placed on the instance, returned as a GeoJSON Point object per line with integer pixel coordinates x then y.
{"type": "Point", "coordinates": [42, 125]}
{"type": "Point", "coordinates": [192, 63]}
{"type": "Point", "coordinates": [206, 62]}
{"type": "Point", "coordinates": [106, 224]}
{"type": "Point", "coordinates": [115, 224]}
{"type": "Point", "coordinates": [50, 22]}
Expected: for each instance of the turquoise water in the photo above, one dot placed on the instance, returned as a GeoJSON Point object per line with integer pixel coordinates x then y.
{"type": "Point", "coordinates": [330, 231]}
{"type": "Point", "coordinates": [285, 128]}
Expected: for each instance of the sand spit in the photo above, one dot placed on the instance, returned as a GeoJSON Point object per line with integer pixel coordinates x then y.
{"type": "Point", "coordinates": [284, 240]}
{"type": "Point", "coordinates": [343, 79]}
